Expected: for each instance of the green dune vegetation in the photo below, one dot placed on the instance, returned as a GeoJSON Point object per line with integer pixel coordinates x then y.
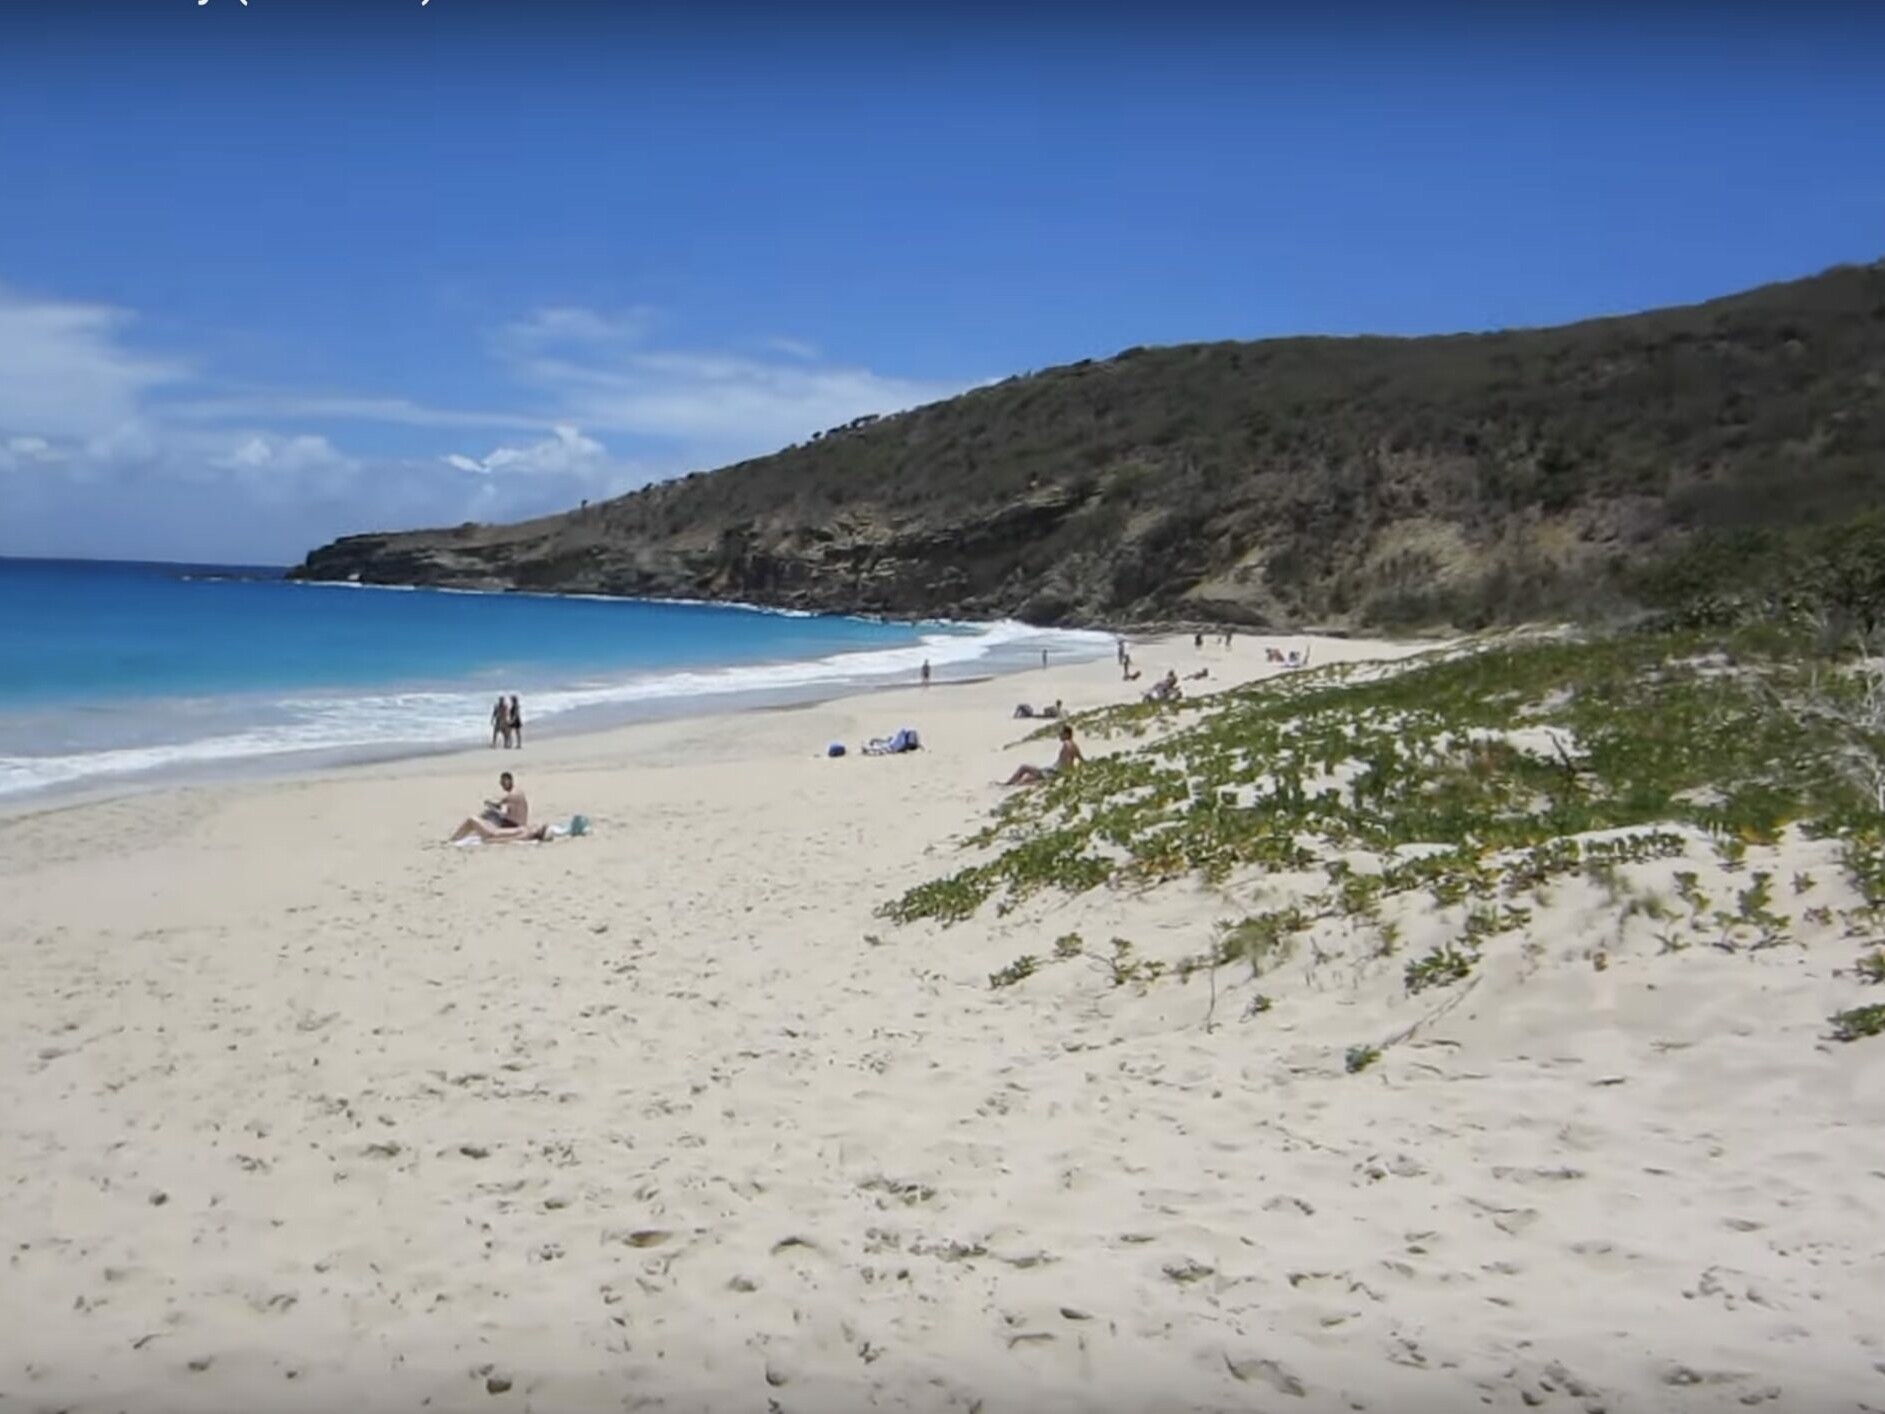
{"type": "Point", "coordinates": [1417, 815]}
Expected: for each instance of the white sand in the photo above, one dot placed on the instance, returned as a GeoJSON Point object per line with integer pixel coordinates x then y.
{"type": "Point", "coordinates": [302, 1110]}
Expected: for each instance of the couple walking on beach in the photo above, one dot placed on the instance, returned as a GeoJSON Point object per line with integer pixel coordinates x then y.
{"type": "Point", "coordinates": [507, 723]}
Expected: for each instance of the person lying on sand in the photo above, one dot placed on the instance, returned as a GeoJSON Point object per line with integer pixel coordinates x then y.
{"type": "Point", "coordinates": [506, 818]}
{"type": "Point", "coordinates": [497, 834]}
{"type": "Point", "coordinates": [1068, 758]}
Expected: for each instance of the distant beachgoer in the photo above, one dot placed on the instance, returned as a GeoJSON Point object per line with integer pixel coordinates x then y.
{"type": "Point", "coordinates": [1125, 667]}
{"type": "Point", "coordinates": [926, 672]}
{"type": "Point", "coordinates": [1197, 641]}
{"type": "Point", "coordinates": [500, 723]}
{"type": "Point", "coordinates": [1227, 636]}
{"type": "Point", "coordinates": [517, 721]}
{"type": "Point", "coordinates": [1201, 673]}
{"type": "Point", "coordinates": [1043, 658]}
{"type": "Point", "coordinates": [1166, 689]}
{"type": "Point", "coordinates": [1068, 757]}
{"type": "Point", "coordinates": [1023, 709]}
{"type": "Point", "coordinates": [1120, 652]}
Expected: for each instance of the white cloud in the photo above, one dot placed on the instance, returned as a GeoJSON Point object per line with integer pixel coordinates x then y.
{"type": "Point", "coordinates": [106, 449]}
{"type": "Point", "coordinates": [719, 406]}
{"type": "Point", "coordinates": [272, 404]}
{"type": "Point", "coordinates": [567, 452]}
{"type": "Point", "coordinates": [572, 324]}
{"type": "Point", "coordinates": [593, 369]}
{"type": "Point", "coordinates": [18, 452]}
{"type": "Point", "coordinates": [64, 370]}
{"type": "Point", "coordinates": [286, 455]}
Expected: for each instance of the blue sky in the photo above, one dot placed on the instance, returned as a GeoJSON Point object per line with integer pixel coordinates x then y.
{"type": "Point", "coordinates": [274, 273]}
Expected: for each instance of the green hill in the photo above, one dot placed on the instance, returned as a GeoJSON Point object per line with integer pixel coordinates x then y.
{"type": "Point", "coordinates": [1458, 479]}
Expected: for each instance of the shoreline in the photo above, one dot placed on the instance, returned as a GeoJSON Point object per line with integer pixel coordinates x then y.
{"type": "Point", "coordinates": [265, 771]}
{"type": "Point", "coordinates": [584, 720]}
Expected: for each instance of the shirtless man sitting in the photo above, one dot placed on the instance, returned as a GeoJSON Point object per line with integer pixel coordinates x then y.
{"type": "Point", "coordinates": [505, 819]}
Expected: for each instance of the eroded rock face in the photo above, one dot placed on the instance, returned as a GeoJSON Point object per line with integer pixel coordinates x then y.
{"type": "Point", "coordinates": [1390, 482]}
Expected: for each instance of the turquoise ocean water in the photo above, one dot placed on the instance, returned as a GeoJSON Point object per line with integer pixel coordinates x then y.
{"type": "Point", "coordinates": [117, 673]}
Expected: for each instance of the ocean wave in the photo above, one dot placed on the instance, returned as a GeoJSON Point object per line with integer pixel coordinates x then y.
{"type": "Point", "coordinates": [390, 723]}
{"type": "Point", "coordinates": [729, 605]}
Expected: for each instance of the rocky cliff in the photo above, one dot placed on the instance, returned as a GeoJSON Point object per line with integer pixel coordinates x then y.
{"type": "Point", "coordinates": [1461, 479]}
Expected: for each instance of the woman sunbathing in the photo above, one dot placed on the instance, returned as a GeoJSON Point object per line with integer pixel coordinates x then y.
{"type": "Point", "coordinates": [497, 834]}
{"type": "Point", "coordinates": [1068, 758]}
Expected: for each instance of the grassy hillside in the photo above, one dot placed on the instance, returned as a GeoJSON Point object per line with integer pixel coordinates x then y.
{"type": "Point", "coordinates": [1464, 479]}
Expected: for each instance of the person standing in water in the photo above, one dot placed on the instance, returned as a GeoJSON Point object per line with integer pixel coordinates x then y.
{"type": "Point", "coordinates": [500, 723]}
{"type": "Point", "coordinates": [926, 672]}
{"type": "Point", "coordinates": [517, 722]}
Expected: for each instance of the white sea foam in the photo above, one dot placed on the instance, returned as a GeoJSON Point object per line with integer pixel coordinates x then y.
{"type": "Point", "coordinates": [390, 723]}
{"type": "Point", "coordinates": [739, 605]}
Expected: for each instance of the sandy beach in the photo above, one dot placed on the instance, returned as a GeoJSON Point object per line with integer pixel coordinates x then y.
{"type": "Point", "coordinates": [302, 1109]}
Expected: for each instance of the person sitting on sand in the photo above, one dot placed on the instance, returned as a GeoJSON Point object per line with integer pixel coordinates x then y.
{"type": "Point", "coordinates": [1057, 710]}
{"type": "Point", "coordinates": [505, 819]}
{"type": "Point", "coordinates": [512, 808]}
{"type": "Point", "coordinates": [1201, 673]}
{"type": "Point", "coordinates": [1068, 758]}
